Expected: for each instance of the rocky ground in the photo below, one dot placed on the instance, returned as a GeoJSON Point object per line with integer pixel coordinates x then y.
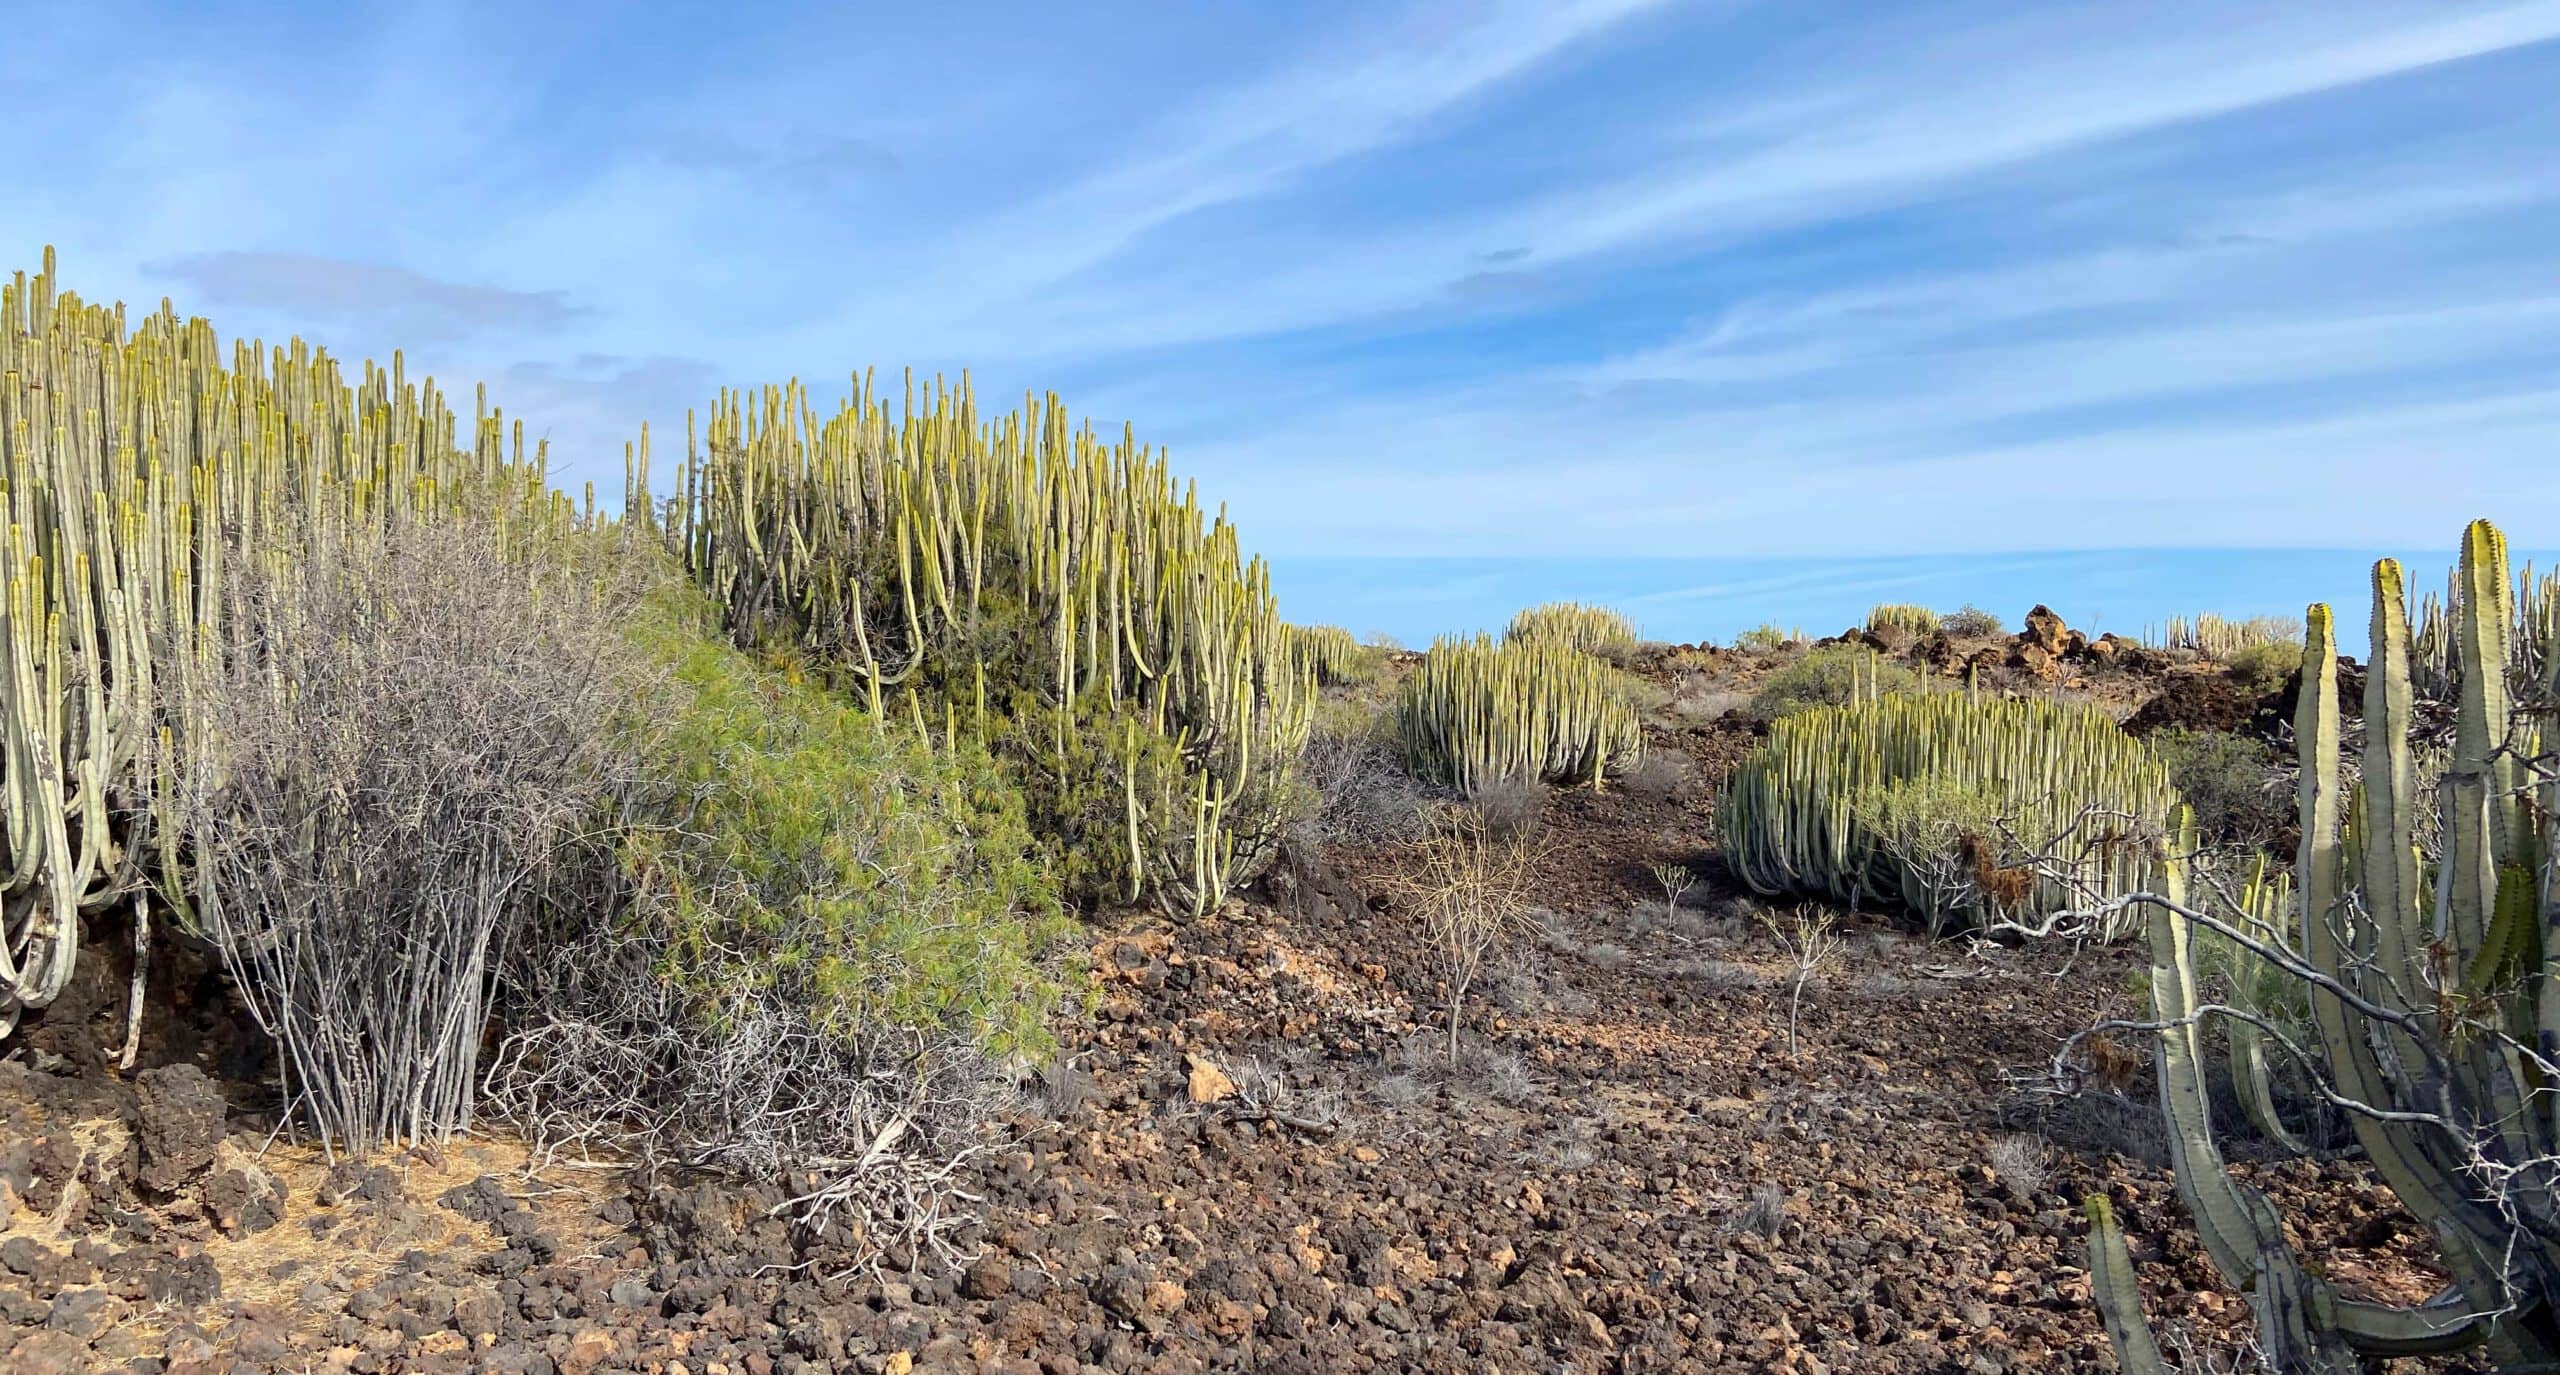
{"type": "Point", "coordinates": [1256, 1157]}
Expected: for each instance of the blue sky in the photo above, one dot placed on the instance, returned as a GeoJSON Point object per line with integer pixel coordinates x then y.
{"type": "Point", "coordinates": [1733, 312]}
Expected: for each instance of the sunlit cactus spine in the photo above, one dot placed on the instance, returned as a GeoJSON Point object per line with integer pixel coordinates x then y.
{"type": "Point", "coordinates": [1595, 630]}
{"type": "Point", "coordinates": [1480, 711]}
{"type": "Point", "coordinates": [1811, 809]}
{"type": "Point", "coordinates": [1009, 565]}
{"type": "Point", "coordinates": [133, 457]}
{"type": "Point", "coordinates": [2434, 1002]}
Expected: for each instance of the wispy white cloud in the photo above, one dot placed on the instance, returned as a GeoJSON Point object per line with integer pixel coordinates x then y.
{"type": "Point", "coordinates": [1610, 277]}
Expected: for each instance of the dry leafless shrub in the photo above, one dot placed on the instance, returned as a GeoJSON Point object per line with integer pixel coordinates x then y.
{"type": "Point", "coordinates": [1506, 1077]}
{"type": "Point", "coordinates": [1360, 793]}
{"type": "Point", "coordinates": [1812, 942]}
{"type": "Point", "coordinates": [398, 740]}
{"type": "Point", "coordinates": [1470, 886]}
{"type": "Point", "coordinates": [1400, 1090]}
{"type": "Point", "coordinates": [2021, 1163]}
{"type": "Point", "coordinates": [1765, 1214]}
{"type": "Point", "coordinates": [1509, 807]}
{"type": "Point", "coordinates": [1661, 774]}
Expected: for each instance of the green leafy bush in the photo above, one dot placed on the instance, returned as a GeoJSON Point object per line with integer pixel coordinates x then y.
{"type": "Point", "coordinates": [797, 845]}
{"type": "Point", "coordinates": [2224, 778]}
{"type": "Point", "coordinates": [1767, 638]}
{"type": "Point", "coordinates": [834, 952]}
{"type": "Point", "coordinates": [1830, 676]}
{"type": "Point", "coordinates": [1973, 623]}
{"type": "Point", "coordinates": [2262, 666]}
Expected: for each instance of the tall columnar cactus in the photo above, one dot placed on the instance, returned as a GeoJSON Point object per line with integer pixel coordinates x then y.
{"type": "Point", "coordinates": [972, 571]}
{"type": "Point", "coordinates": [1480, 711]}
{"type": "Point", "coordinates": [131, 459]}
{"type": "Point", "coordinates": [2434, 998]}
{"type": "Point", "coordinates": [1591, 629]}
{"type": "Point", "coordinates": [1927, 802]}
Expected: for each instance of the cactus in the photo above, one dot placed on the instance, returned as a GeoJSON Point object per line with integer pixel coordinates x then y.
{"type": "Point", "coordinates": [2216, 637]}
{"type": "Point", "coordinates": [1903, 799]}
{"type": "Point", "coordinates": [1594, 630]}
{"type": "Point", "coordinates": [1480, 711]}
{"type": "Point", "coordinates": [2533, 638]}
{"type": "Point", "coordinates": [133, 459]}
{"type": "Point", "coordinates": [1902, 619]}
{"type": "Point", "coordinates": [1014, 574]}
{"type": "Point", "coordinates": [2434, 1002]}
{"type": "Point", "coordinates": [1328, 656]}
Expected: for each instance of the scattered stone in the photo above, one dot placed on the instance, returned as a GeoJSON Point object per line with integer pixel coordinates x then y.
{"type": "Point", "coordinates": [178, 1124]}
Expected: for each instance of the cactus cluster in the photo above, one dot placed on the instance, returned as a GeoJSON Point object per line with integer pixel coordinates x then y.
{"type": "Point", "coordinates": [1479, 711]}
{"type": "Point", "coordinates": [2433, 1000]}
{"type": "Point", "coordinates": [134, 458]}
{"type": "Point", "coordinates": [1019, 577]}
{"type": "Point", "coordinates": [1329, 656]}
{"type": "Point", "coordinates": [1929, 802]}
{"type": "Point", "coordinates": [1902, 619]}
{"type": "Point", "coordinates": [2218, 637]}
{"type": "Point", "coordinates": [1590, 629]}
{"type": "Point", "coordinates": [2533, 635]}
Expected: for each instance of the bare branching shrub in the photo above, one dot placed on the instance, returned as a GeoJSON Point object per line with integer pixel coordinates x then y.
{"type": "Point", "coordinates": [1470, 887]}
{"type": "Point", "coordinates": [1509, 807]}
{"type": "Point", "coordinates": [2022, 1164]}
{"type": "Point", "coordinates": [1765, 1215]}
{"type": "Point", "coordinates": [1812, 942]}
{"type": "Point", "coordinates": [1675, 880]}
{"type": "Point", "coordinates": [399, 736]}
{"type": "Point", "coordinates": [1358, 792]}
{"type": "Point", "coordinates": [1506, 1077]}
{"type": "Point", "coordinates": [1659, 775]}
{"type": "Point", "coordinates": [1400, 1090]}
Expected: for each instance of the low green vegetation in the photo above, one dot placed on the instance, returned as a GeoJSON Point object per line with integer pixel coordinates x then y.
{"type": "Point", "coordinates": [792, 846]}
{"type": "Point", "coordinates": [2224, 778]}
{"type": "Point", "coordinates": [1830, 676]}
